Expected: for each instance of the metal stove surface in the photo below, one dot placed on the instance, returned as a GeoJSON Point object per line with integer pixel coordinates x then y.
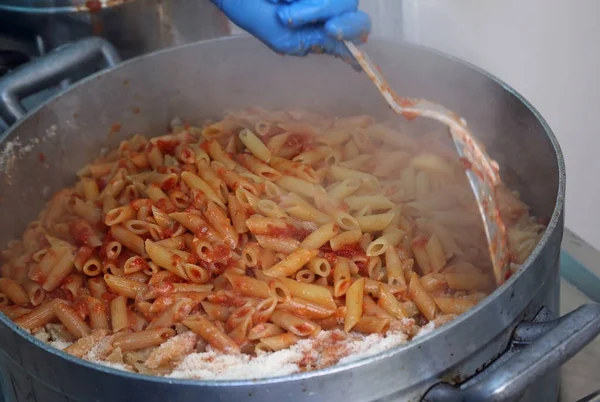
{"type": "Point", "coordinates": [580, 284]}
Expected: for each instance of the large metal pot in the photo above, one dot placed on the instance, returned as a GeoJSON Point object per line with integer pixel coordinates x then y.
{"type": "Point", "coordinates": [205, 79]}
{"type": "Point", "coordinates": [135, 27]}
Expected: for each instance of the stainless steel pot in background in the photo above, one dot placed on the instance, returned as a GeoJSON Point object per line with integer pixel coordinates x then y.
{"type": "Point", "coordinates": [134, 27]}
{"type": "Point", "coordinates": [208, 78]}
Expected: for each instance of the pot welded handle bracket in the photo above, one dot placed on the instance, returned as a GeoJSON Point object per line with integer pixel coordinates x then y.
{"type": "Point", "coordinates": [49, 70]}
{"type": "Point", "coordinates": [536, 349]}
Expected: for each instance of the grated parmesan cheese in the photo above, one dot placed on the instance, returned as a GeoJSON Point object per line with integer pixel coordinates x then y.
{"type": "Point", "coordinates": [425, 329]}
{"type": "Point", "coordinates": [326, 349]}
{"type": "Point", "coordinates": [60, 344]}
{"type": "Point", "coordinates": [118, 366]}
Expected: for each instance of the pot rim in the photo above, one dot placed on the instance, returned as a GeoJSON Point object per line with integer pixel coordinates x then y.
{"type": "Point", "coordinates": [337, 368]}
{"type": "Point", "coordinates": [59, 6]}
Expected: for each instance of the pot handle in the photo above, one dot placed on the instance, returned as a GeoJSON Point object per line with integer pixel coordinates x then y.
{"type": "Point", "coordinates": [48, 70]}
{"type": "Point", "coordinates": [553, 343]}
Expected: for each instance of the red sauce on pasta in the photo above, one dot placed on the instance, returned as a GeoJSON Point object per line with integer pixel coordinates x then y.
{"type": "Point", "coordinates": [93, 6]}
{"type": "Point", "coordinates": [302, 141]}
{"type": "Point", "coordinates": [204, 146]}
{"type": "Point", "coordinates": [162, 204]}
{"type": "Point", "coordinates": [420, 241]}
{"type": "Point", "coordinates": [103, 249]}
{"type": "Point", "coordinates": [543, 220]}
{"type": "Point", "coordinates": [273, 131]}
{"type": "Point", "coordinates": [390, 190]}
{"type": "Point", "coordinates": [138, 262]}
{"type": "Point", "coordinates": [80, 307]}
{"type": "Point", "coordinates": [186, 153]}
{"type": "Point", "coordinates": [59, 293]}
{"type": "Point", "coordinates": [81, 231]}
{"type": "Point", "coordinates": [167, 146]}
{"type": "Point", "coordinates": [84, 253]}
{"type": "Point", "coordinates": [363, 269]}
{"type": "Point", "coordinates": [101, 184]}
{"type": "Point", "coordinates": [290, 231]}
{"type": "Point", "coordinates": [108, 296]}
{"type": "Point", "coordinates": [350, 251]}
{"type": "Point", "coordinates": [330, 257]}
{"type": "Point", "coordinates": [221, 253]}
{"type": "Point", "coordinates": [163, 288]}
{"type": "Point", "coordinates": [466, 163]}
{"type": "Point", "coordinates": [169, 184]}
{"type": "Point", "coordinates": [98, 307]}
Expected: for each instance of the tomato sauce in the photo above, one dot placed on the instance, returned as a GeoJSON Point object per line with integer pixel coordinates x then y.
{"type": "Point", "coordinates": [290, 231]}
{"type": "Point", "coordinates": [162, 288]}
{"type": "Point", "coordinates": [391, 190]}
{"type": "Point", "coordinates": [274, 131]}
{"type": "Point", "coordinates": [304, 142]}
{"type": "Point", "coordinates": [108, 296]}
{"type": "Point", "coordinates": [420, 241]}
{"type": "Point", "coordinates": [167, 146]}
{"type": "Point", "coordinates": [84, 253]}
{"type": "Point", "coordinates": [467, 165]}
{"type": "Point", "coordinates": [186, 153]}
{"type": "Point", "coordinates": [351, 251]}
{"type": "Point", "coordinates": [115, 128]}
{"type": "Point", "coordinates": [81, 231]}
{"type": "Point", "coordinates": [363, 270]}
{"type": "Point", "coordinates": [101, 183]}
{"type": "Point", "coordinates": [104, 248]}
{"type": "Point", "coordinates": [330, 257]}
{"type": "Point", "coordinates": [59, 293]}
{"type": "Point", "coordinates": [139, 263]}
{"type": "Point", "coordinates": [221, 253]}
{"type": "Point", "coordinates": [80, 307]}
{"type": "Point", "coordinates": [93, 6]}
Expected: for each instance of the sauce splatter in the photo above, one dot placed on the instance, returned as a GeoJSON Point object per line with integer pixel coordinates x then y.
{"type": "Point", "coordinates": [93, 6]}
{"type": "Point", "coordinates": [115, 128]}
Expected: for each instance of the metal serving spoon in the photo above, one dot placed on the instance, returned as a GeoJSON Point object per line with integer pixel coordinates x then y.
{"type": "Point", "coordinates": [481, 171]}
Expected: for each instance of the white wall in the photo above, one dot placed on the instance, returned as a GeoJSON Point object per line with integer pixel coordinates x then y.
{"type": "Point", "coordinates": [548, 50]}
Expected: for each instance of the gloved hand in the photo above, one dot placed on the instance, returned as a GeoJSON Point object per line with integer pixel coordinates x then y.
{"type": "Point", "coordinates": [299, 27]}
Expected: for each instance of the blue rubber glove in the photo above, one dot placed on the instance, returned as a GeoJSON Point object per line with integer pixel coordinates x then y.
{"type": "Point", "coordinates": [299, 27]}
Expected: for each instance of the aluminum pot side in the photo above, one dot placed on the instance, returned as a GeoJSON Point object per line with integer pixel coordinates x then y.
{"type": "Point", "coordinates": [205, 79]}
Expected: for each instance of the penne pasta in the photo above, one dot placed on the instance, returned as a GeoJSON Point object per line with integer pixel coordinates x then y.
{"type": "Point", "coordinates": [250, 234]}
{"type": "Point", "coordinates": [354, 304]}
{"type": "Point", "coordinates": [142, 339]}
{"type": "Point", "coordinates": [248, 286]}
{"type": "Point", "coordinates": [211, 334]}
{"type": "Point", "coordinates": [296, 325]}
{"type": "Point", "coordinates": [310, 292]}
{"type": "Point", "coordinates": [292, 264]}
{"type": "Point", "coordinates": [255, 145]}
